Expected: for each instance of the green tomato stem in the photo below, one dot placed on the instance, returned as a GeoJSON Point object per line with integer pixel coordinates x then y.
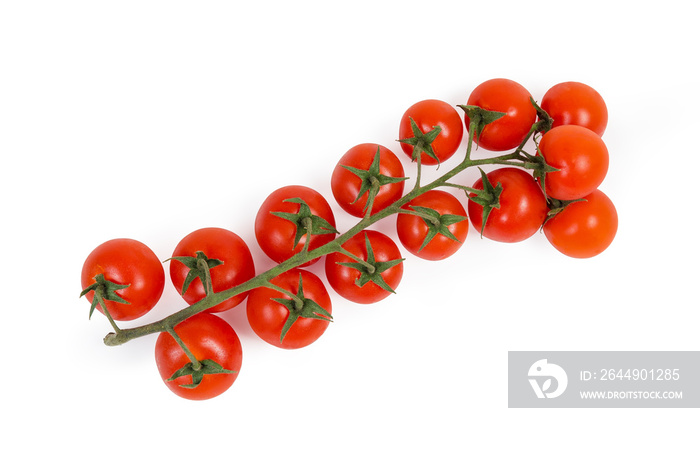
{"type": "Point", "coordinates": [196, 364]}
{"type": "Point", "coordinates": [99, 292]}
{"type": "Point", "coordinates": [298, 302]}
{"type": "Point", "coordinates": [307, 224]}
{"type": "Point", "coordinates": [418, 173]}
{"type": "Point", "coordinates": [430, 218]}
{"type": "Point", "coordinates": [202, 264]}
{"type": "Point", "coordinates": [371, 195]}
{"type": "Point", "coordinates": [370, 268]}
{"type": "Point", "coordinates": [166, 324]}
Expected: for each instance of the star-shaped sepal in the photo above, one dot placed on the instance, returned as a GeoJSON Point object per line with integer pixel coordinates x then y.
{"type": "Point", "coordinates": [301, 307]}
{"type": "Point", "coordinates": [437, 224]}
{"type": "Point", "coordinates": [371, 270]}
{"type": "Point", "coordinates": [372, 179]}
{"type": "Point", "coordinates": [488, 197]}
{"type": "Point", "coordinates": [480, 117]}
{"type": "Point", "coordinates": [105, 290]}
{"type": "Point", "coordinates": [200, 266]}
{"type": "Point", "coordinates": [306, 222]}
{"type": "Point", "coordinates": [207, 367]}
{"type": "Point", "coordinates": [422, 142]}
{"type": "Point", "coordinates": [540, 167]}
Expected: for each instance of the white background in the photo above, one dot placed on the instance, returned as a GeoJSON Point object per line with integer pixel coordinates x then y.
{"type": "Point", "coordinates": [150, 119]}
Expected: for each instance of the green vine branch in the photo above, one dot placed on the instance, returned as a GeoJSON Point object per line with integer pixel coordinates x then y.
{"type": "Point", "coordinates": [516, 158]}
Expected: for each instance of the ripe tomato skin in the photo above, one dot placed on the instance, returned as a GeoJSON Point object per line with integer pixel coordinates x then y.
{"type": "Point", "coordinates": [342, 279]}
{"type": "Point", "coordinates": [581, 157]}
{"type": "Point", "coordinates": [503, 95]}
{"type": "Point", "coordinates": [275, 235]}
{"type": "Point", "coordinates": [267, 317]}
{"type": "Point", "coordinates": [346, 185]}
{"type": "Point", "coordinates": [126, 261]}
{"type": "Point", "coordinates": [412, 229]}
{"type": "Point", "coordinates": [207, 336]}
{"type": "Point", "coordinates": [523, 206]}
{"type": "Point", "coordinates": [427, 114]}
{"type": "Point", "coordinates": [584, 228]}
{"type": "Point", "coordinates": [574, 103]}
{"type": "Point", "coordinates": [216, 243]}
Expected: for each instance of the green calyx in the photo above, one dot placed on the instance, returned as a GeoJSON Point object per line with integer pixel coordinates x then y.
{"type": "Point", "coordinates": [206, 367]}
{"type": "Point", "coordinates": [200, 266]}
{"type": "Point", "coordinates": [306, 223]}
{"type": "Point", "coordinates": [371, 270]}
{"type": "Point", "coordinates": [488, 198]}
{"type": "Point", "coordinates": [422, 142]}
{"type": "Point", "coordinates": [556, 206]}
{"type": "Point", "coordinates": [301, 306]}
{"type": "Point", "coordinates": [536, 162]}
{"type": "Point", "coordinates": [480, 117]}
{"type": "Point", "coordinates": [437, 224]}
{"type": "Point", "coordinates": [538, 165]}
{"type": "Point", "coordinates": [540, 168]}
{"type": "Point", "coordinates": [544, 121]}
{"type": "Point", "coordinates": [372, 179]}
{"type": "Point", "coordinates": [105, 290]}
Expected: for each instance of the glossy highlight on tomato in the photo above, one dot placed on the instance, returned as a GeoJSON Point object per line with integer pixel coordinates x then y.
{"type": "Point", "coordinates": [523, 206]}
{"type": "Point", "coordinates": [208, 337]}
{"type": "Point", "coordinates": [220, 244]}
{"type": "Point", "coordinates": [511, 98]}
{"type": "Point", "coordinates": [574, 103]}
{"type": "Point", "coordinates": [126, 261]}
{"type": "Point", "coordinates": [584, 228]}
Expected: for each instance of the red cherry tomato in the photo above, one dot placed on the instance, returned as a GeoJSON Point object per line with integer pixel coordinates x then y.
{"type": "Point", "coordinates": [276, 235]}
{"type": "Point", "coordinates": [208, 337]}
{"type": "Point", "coordinates": [348, 281]}
{"type": "Point", "coordinates": [584, 228]}
{"type": "Point", "coordinates": [126, 262]}
{"type": "Point", "coordinates": [413, 230]}
{"type": "Point", "coordinates": [523, 206]}
{"type": "Point", "coordinates": [267, 316]}
{"type": "Point", "coordinates": [428, 114]}
{"type": "Point", "coordinates": [581, 157]}
{"type": "Point", "coordinates": [346, 185]}
{"type": "Point", "coordinates": [215, 243]}
{"type": "Point", "coordinates": [503, 95]}
{"type": "Point", "coordinates": [574, 103]}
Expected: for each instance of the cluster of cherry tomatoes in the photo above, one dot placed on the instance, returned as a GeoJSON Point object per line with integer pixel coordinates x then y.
{"type": "Point", "coordinates": [200, 357]}
{"type": "Point", "coordinates": [577, 218]}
